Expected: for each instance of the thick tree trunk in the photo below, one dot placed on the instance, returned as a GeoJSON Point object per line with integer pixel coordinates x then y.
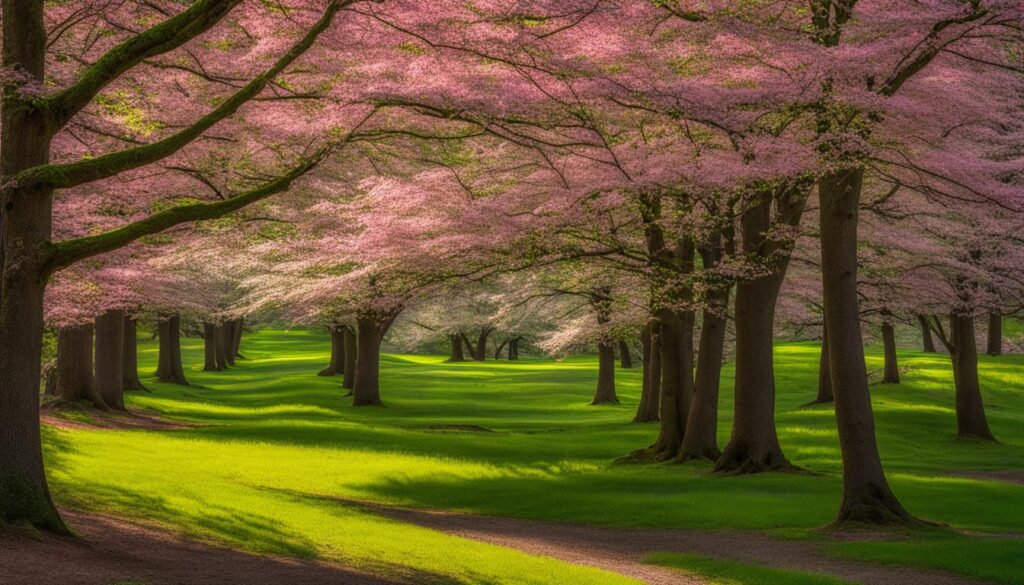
{"type": "Point", "coordinates": [220, 347]}
{"type": "Point", "coordinates": [349, 380]}
{"type": "Point", "coordinates": [927, 343]}
{"type": "Point", "coordinates": [701, 439]}
{"type": "Point", "coordinates": [109, 359]}
{"type": "Point", "coordinates": [367, 384]}
{"type": "Point", "coordinates": [754, 444]}
{"type": "Point", "coordinates": [971, 421]}
{"type": "Point", "coordinates": [337, 365]}
{"type": "Point", "coordinates": [227, 342]}
{"type": "Point", "coordinates": [210, 348]}
{"type": "Point", "coordinates": [513, 349]}
{"type": "Point", "coordinates": [867, 497]}
{"type": "Point", "coordinates": [457, 354]}
{"type": "Point", "coordinates": [625, 359]}
{"type": "Point", "coordinates": [25, 227]}
{"type": "Point", "coordinates": [131, 356]}
{"type": "Point", "coordinates": [237, 328]}
{"type": "Point", "coordinates": [891, 369]}
{"type": "Point", "coordinates": [169, 368]}
{"type": "Point", "coordinates": [605, 393]}
{"type": "Point", "coordinates": [480, 351]}
{"type": "Point", "coordinates": [676, 337]}
{"type": "Point", "coordinates": [995, 334]}
{"type": "Point", "coordinates": [647, 411]}
{"type": "Point", "coordinates": [73, 375]}
{"type": "Point", "coordinates": [824, 374]}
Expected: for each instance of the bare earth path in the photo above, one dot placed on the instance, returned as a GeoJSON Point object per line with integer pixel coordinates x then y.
{"type": "Point", "coordinates": [112, 551]}
{"type": "Point", "coordinates": [622, 550]}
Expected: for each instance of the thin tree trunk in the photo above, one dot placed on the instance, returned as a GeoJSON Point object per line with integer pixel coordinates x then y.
{"type": "Point", "coordinates": [73, 375]}
{"type": "Point", "coordinates": [995, 334]}
{"type": "Point", "coordinates": [605, 393]}
{"type": "Point", "coordinates": [970, 410]}
{"type": "Point", "coordinates": [131, 356]}
{"type": "Point", "coordinates": [337, 365]}
{"type": "Point", "coordinates": [754, 444]}
{"type": "Point", "coordinates": [457, 354]}
{"type": "Point", "coordinates": [349, 380]}
{"type": "Point", "coordinates": [824, 374]}
{"type": "Point", "coordinates": [927, 343]}
{"type": "Point", "coordinates": [867, 497]}
{"type": "Point", "coordinates": [625, 359]}
{"type": "Point", "coordinates": [891, 371]}
{"type": "Point", "coordinates": [210, 348]}
{"type": "Point", "coordinates": [109, 359]}
{"type": "Point", "coordinates": [650, 403]}
{"type": "Point", "coordinates": [701, 439]}
{"type": "Point", "coordinates": [501, 346]}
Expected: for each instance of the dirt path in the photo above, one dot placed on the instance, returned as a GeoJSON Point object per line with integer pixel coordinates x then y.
{"type": "Point", "coordinates": [622, 550]}
{"type": "Point", "coordinates": [113, 552]}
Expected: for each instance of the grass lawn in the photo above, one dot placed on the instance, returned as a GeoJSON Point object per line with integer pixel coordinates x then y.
{"type": "Point", "coordinates": [276, 439]}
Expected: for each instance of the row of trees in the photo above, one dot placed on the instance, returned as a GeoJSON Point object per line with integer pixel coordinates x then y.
{"type": "Point", "coordinates": [607, 166]}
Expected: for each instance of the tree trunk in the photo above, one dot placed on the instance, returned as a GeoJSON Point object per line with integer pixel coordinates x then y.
{"type": "Point", "coordinates": [824, 374]}
{"type": "Point", "coordinates": [605, 393]}
{"type": "Point", "coordinates": [625, 359]}
{"type": "Point", "coordinates": [109, 359]}
{"type": "Point", "coordinates": [970, 410]}
{"type": "Point", "coordinates": [928, 345]}
{"type": "Point", "coordinates": [349, 380]}
{"type": "Point", "coordinates": [501, 346]}
{"type": "Point", "coordinates": [480, 351]}
{"type": "Point", "coordinates": [995, 334]}
{"type": "Point", "coordinates": [513, 349]}
{"type": "Point", "coordinates": [131, 356]}
{"type": "Point", "coordinates": [891, 373]}
{"type": "Point", "coordinates": [701, 439]}
{"type": "Point", "coordinates": [337, 365]}
{"type": "Point", "coordinates": [367, 384]}
{"type": "Point", "coordinates": [220, 347]}
{"type": "Point", "coordinates": [457, 354]}
{"type": "Point", "coordinates": [647, 410]}
{"type": "Point", "coordinates": [226, 344]}
{"type": "Point", "coordinates": [169, 368]}
{"type": "Point", "coordinates": [25, 227]}
{"type": "Point", "coordinates": [73, 375]}
{"type": "Point", "coordinates": [210, 348]}
{"type": "Point", "coordinates": [867, 497]}
{"type": "Point", "coordinates": [237, 328]}
{"type": "Point", "coordinates": [676, 336]}
{"type": "Point", "coordinates": [754, 444]}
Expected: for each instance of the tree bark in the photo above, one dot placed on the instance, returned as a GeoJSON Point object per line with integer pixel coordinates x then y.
{"type": "Point", "coordinates": [25, 228]}
{"type": "Point", "coordinates": [501, 346]}
{"type": "Point", "coordinates": [625, 359]}
{"type": "Point", "coordinates": [971, 421]}
{"type": "Point", "coordinates": [647, 410]}
{"type": "Point", "coordinates": [754, 444]}
{"type": "Point", "coordinates": [337, 365]}
{"type": "Point", "coordinates": [349, 380]}
{"type": "Point", "coordinates": [370, 332]}
{"type": "Point", "coordinates": [109, 359]}
{"type": "Point", "coordinates": [220, 347]}
{"type": "Point", "coordinates": [237, 328]}
{"type": "Point", "coordinates": [995, 334]}
{"type": "Point", "coordinates": [891, 370]}
{"type": "Point", "coordinates": [226, 342]}
{"type": "Point", "coordinates": [701, 439]}
{"type": "Point", "coordinates": [513, 349]}
{"type": "Point", "coordinates": [927, 343]}
{"type": "Point", "coordinates": [867, 497]}
{"type": "Point", "coordinates": [73, 375]}
{"type": "Point", "coordinates": [457, 354]}
{"type": "Point", "coordinates": [169, 368]}
{"type": "Point", "coordinates": [210, 348]}
{"type": "Point", "coordinates": [605, 393]}
{"type": "Point", "coordinates": [131, 356]}
{"type": "Point", "coordinates": [480, 351]}
{"type": "Point", "coordinates": [824, 374]}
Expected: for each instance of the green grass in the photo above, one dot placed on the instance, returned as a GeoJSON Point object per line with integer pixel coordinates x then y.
{"type": "Point", "coordinates": [718, 572]}
{"type": "Point", "coordinates": [276, 438]}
